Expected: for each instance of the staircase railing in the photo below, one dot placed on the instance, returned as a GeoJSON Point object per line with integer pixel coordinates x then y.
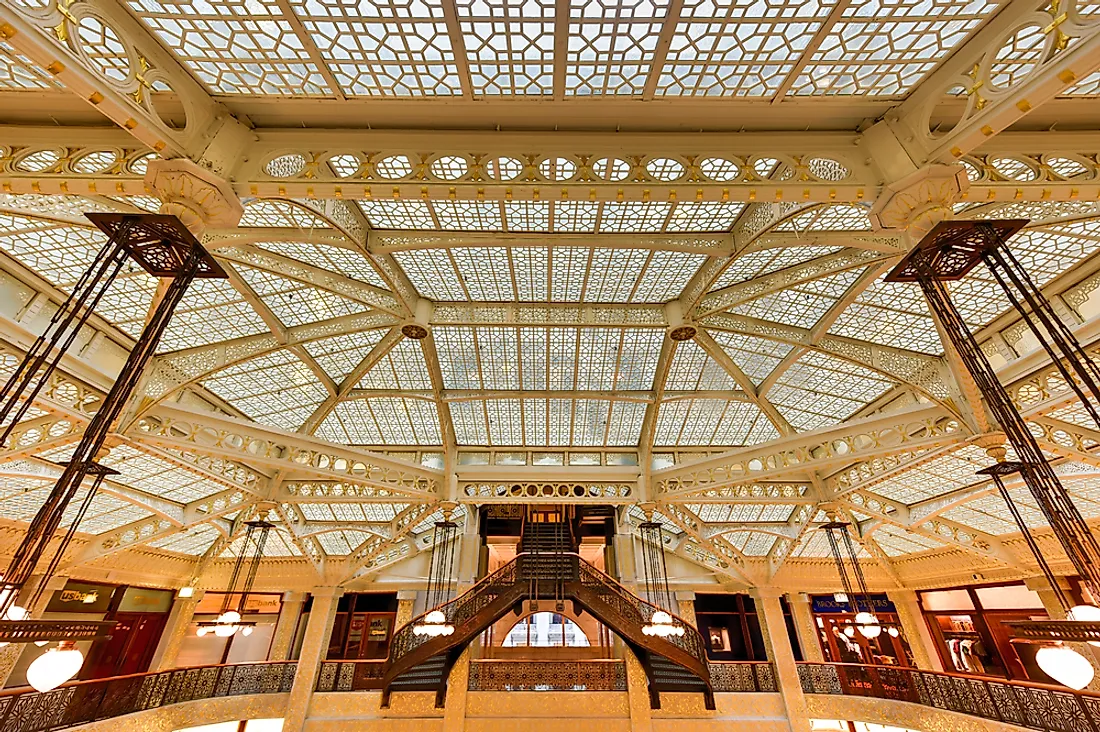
{"type": "Point", "coordinates": [457, 611]}
{"type": "Point", "coordinates": [637, 610]}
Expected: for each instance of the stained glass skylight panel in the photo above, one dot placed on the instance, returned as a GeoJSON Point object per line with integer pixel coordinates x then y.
{"type": "Point", "coordinates": [693, 369]}
{"type": "Point", "coordinates": [385, 214]}
{"type": "Point", "coordinates": [275, 388]}
{"type": "Point", "coordinates": [752, 543]}
{"type": "Point", "coordinates": [210, 311]}
{"type": "Point", "coordinates": [575, 216]}
{"type": "Point", "coordinates": [486, 272]}
{"type": "Point", "coordinates": [402, 368]}
{"type": "Point", "coordinates": [802, 305]}
{"type": "Point", "coordinates": [498, 349]}
{"type": "Point", "coordinates": [738, 47]}
{"type": "Point", "coordinates": [280, 214]}
{"type": "Point", "coordinates": [339, 355]}
{"type": "Point", "coordinates": [338, 259]}
{"type": "Point", "coordinates": [351, 512]}
{"type": "Point", "coordinates": [390, 48]}
{"type": "Point", "coordinates": [235, 46]}
{"type": "Point", "coordinates": [718, 422]}
{"type": "Point", "coordinates": [893, 314]}
{"type": "Point", "coordinates": [832, 217]}
{"type": "Point", "coordinates": [433, 274]}
{"type": "Point", "coordinates": [936, 477]}
{"type": "Point", "coordinates": [59, 252]}
{"type": "Point", "coordinates": [895, 541]}
{"type": "Point", "coordinates": [757, 357]}
{"type": "Point", "coordinates": [340, 543]}
{"type": "Point", "coordinates": [819, 390]}
{"type": "Point", "coordinates": [527, 215]}
{"type": "Point", "coordinates": [704, 216]}
{"type": "Point", "coordinates": [611, 45]}
{"type": "Point", "coordinates": [468, 215]}
{"type": "Point", "coordinates": [510, 44]}
{"type": "Point", "coordinates": [766, 261]}
{"type": "Point", "coordinates": [885, 47]}
{"type": "Point", "coordinates": [382, 421]}
{"type": "Point", "coordinates": [634, 216]}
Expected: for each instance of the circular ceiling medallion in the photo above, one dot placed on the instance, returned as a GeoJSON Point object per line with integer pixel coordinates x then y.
{"type": "Point", "coordinates": [415, 331]}
{"type": "Point", "coordinates": [683, 333]}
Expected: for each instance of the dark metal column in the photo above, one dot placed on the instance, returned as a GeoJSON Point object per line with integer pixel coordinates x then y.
{"type": "Point", "coordinates": [948, 252]}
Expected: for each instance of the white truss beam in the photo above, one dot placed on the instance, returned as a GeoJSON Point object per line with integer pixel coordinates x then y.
{"type": "Point", "coordinates": [297, 454]}
{"type": "Point", "coordinates": [878, 436]}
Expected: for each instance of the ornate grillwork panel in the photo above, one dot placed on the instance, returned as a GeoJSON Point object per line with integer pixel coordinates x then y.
{"type": "Point", "coordinates": [88, 701]}
{"type": "Point", "coordinates": [737, 676]}
{"type": "Point", "coordinates": [350, 675]}
{"type": "Point", "coordinates": [500, 675]}
{"type": "Point", "coordinates": [1048, 708]}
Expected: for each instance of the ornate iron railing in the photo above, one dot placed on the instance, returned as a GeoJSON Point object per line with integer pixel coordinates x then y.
{"type": "Point", "coordinates": [638, 611]}
{"type": "Point", "coordinates": [350, 675]}
{"type": "Point", "coordinates": [742, 676]}
{"type": "Point", "coordinates": [457, 611]}
{"type": "Point", "coordinates": [1038, 706]}
{"type": "Point", "coordinates": [88, 701]}
{"type": "Point", "coordinates": [509, 675]}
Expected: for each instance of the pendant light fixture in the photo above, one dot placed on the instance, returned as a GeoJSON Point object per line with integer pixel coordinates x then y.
{"type": "Point", "coordinates": [1057, 660]}
{"type": "Point", "coordinates": [867, 623]}
{"type": "Point", "coordinates": [440, 579]}
{"type": "Point", "coordinates": [661, 623]}
{"type": "Point", "coordinates": [229, 621]}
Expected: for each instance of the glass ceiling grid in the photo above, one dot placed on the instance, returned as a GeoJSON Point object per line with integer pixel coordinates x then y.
{"type": "Point", "coordinates": [510, 44]}
{"type": "Point", "coordinates": [766, 261]}
{"type": "Point", "coordinates": [883, 48]}
{"type": "Point", "coordinates": [739, 48]}
{"type": "Point", "coordinates": [383, 48]}
{"type": "Point", "coordinates": [339, 355]}
{"type": "Point", "coordinates": [234, 46]}
{"type": "Point", "coordinates": [275, 388]}
{"type": "Point", "coordinates": [611, 45]}
{"type": "Point", "coordinates": [692, 369]}
{"type": "Point", "coordinates": [211, 311]}
{"type": "Point", "coordinates": [802, 305]}
{"type": "Point", "coordinates": [402, 368]}
{"type": "Point", "coordinates": [294, 303]}
{"type": "Point", "coordinates": [757, 357]}
{"type": "Point", "coordinates": [347, 262]}
{"type": "Point", "coordinates": [17, 72]}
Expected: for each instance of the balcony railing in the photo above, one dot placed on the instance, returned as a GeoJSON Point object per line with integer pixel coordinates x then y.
{"type": "Point", "coordinates": [350, 675]}
{"type": "Point", "coordinates": [509, 675]}
{"type": "Point", "coordinates": [742, 676]}
{"type": "Point", "coordinates": [81, 702]}
{"type": "Point", "coordinates": [1038, 706]}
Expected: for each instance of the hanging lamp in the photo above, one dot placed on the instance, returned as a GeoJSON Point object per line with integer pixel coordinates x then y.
{"type": "Point", "coordinates": [661, 623]}
{"type": "Point", "coordinates": [440, 579]}
{"type": "Point", "coordinates": [229, 622]}
{"type": "Point", "coordinates": [866, 623]}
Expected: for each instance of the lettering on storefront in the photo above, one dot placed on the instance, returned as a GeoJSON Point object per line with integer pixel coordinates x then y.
{"type": "Point", "coordinates": [825, 604]}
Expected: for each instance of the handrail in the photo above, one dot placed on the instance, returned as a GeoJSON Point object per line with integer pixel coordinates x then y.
{"type": "Point", "coordinates": [1023, 703]}
{"type": "Point", "coordinates": [631, 607]}
{"type": "Point", "coordinates": [542, 675]}
{"type": "Point", "coordinates": [81, 702]}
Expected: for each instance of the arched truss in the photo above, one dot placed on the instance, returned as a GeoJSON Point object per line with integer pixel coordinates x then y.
{"type": "Point", "coordinates": [741, 513]}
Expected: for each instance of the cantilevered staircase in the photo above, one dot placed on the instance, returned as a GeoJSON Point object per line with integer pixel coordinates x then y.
{"type": "Point", "coordinates": [547, 568]}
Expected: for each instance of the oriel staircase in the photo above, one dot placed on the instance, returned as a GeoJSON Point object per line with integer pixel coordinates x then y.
{"type": "Point", "coordinates": [547, 568]}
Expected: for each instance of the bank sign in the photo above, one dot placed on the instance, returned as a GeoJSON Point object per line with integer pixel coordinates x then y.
{"type": "Point", "coordinates": [825, 604]}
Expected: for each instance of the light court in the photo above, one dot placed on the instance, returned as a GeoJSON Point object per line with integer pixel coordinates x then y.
{"type": "Point", "coordinates": [464, 366]}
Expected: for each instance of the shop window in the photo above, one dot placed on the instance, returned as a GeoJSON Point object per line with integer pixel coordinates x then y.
{"type": "Point", "coordinates": [841, 641]}
{"type": "Point", "coordinates": [730, 627]}
{"type": "Point", "coordinates": [971, 627]}
{"type": "Point", "coordinates": [363, 625]}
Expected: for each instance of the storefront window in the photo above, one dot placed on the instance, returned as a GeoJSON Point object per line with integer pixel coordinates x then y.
{"type": "Point", "coordinates": [972, 631]}
{"type": "Point", "coordinates": [731, 628]}
{"type": "Point", "coordinates": [363, 626]}
{"type": "Point", "coordinates": [259, 608]}
{"type": "Point", "coordinates": [841, 641]}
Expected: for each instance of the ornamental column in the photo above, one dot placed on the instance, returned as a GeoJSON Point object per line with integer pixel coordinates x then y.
{"type": "Point", "coordinates": [322, 614]}
{"type": "Point", "coordinates": [685, 606]}
{"type": "Point", "coordinates": [809, 640]}
{"type": "Point", "coordinates": [915, 630]}
{"type": "Point", "coordinates": [778, 644]}
{"type": "Point", "coordinates": [406, 604]}
{"type": "Point", "coordinates": [289, 613]}
{"type": "Point", "coordinates": [175, 630]}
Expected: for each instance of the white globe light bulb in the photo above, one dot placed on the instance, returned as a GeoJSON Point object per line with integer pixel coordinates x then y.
{"type": "Point", "coordinates": [224, 631]}
{"type": "Point", "coordinates": [850, 632]}
{"type": "Point", "coordinates": [247, 630]}
{"type": "Point", "coordinates": [53, 668]}
{"type": "Point", "coordinates": [1065, 665]}
{"type": "Point", "coordinates": [201, 632]}
{"type": "Point", "coordinates": [17, 613]}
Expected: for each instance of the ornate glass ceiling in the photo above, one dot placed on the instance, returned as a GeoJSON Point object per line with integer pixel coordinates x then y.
{"type": "Point", "coordinates": [548, 271]}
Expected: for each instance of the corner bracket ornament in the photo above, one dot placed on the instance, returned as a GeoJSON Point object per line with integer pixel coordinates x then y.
{"type": "Point", "coordinates": [919, 201]}
{"type": "Point", "coordinates": [196, 196]}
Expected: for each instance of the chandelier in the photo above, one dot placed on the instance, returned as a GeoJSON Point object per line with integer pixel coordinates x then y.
{"type": "Point", "coordinates": [661, 623]}
{"type": "Point", "coordinates": [440, 580]}
{"type": "Point", "coordinates": [867, 623]}
{"type": "Point", "coordinates": [229, 621]}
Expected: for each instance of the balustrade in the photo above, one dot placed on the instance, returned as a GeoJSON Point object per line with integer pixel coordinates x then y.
{"type": "Point", "coordinates": [742, 676]}
{"type": "Point", "coordinates": [1038, 706]}
{"type": "Point", "coordinates": [24, 710]}
{"type": "Point", "coordinates": [509, 675]}
{"type": "Point", "coordinates": [350, 675]}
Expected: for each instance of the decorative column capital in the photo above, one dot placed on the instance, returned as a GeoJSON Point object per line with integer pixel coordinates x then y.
{"type": "Point", "coordinates": [921, 200]}
{"type": "Point", "coordinates": [199, 198]}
